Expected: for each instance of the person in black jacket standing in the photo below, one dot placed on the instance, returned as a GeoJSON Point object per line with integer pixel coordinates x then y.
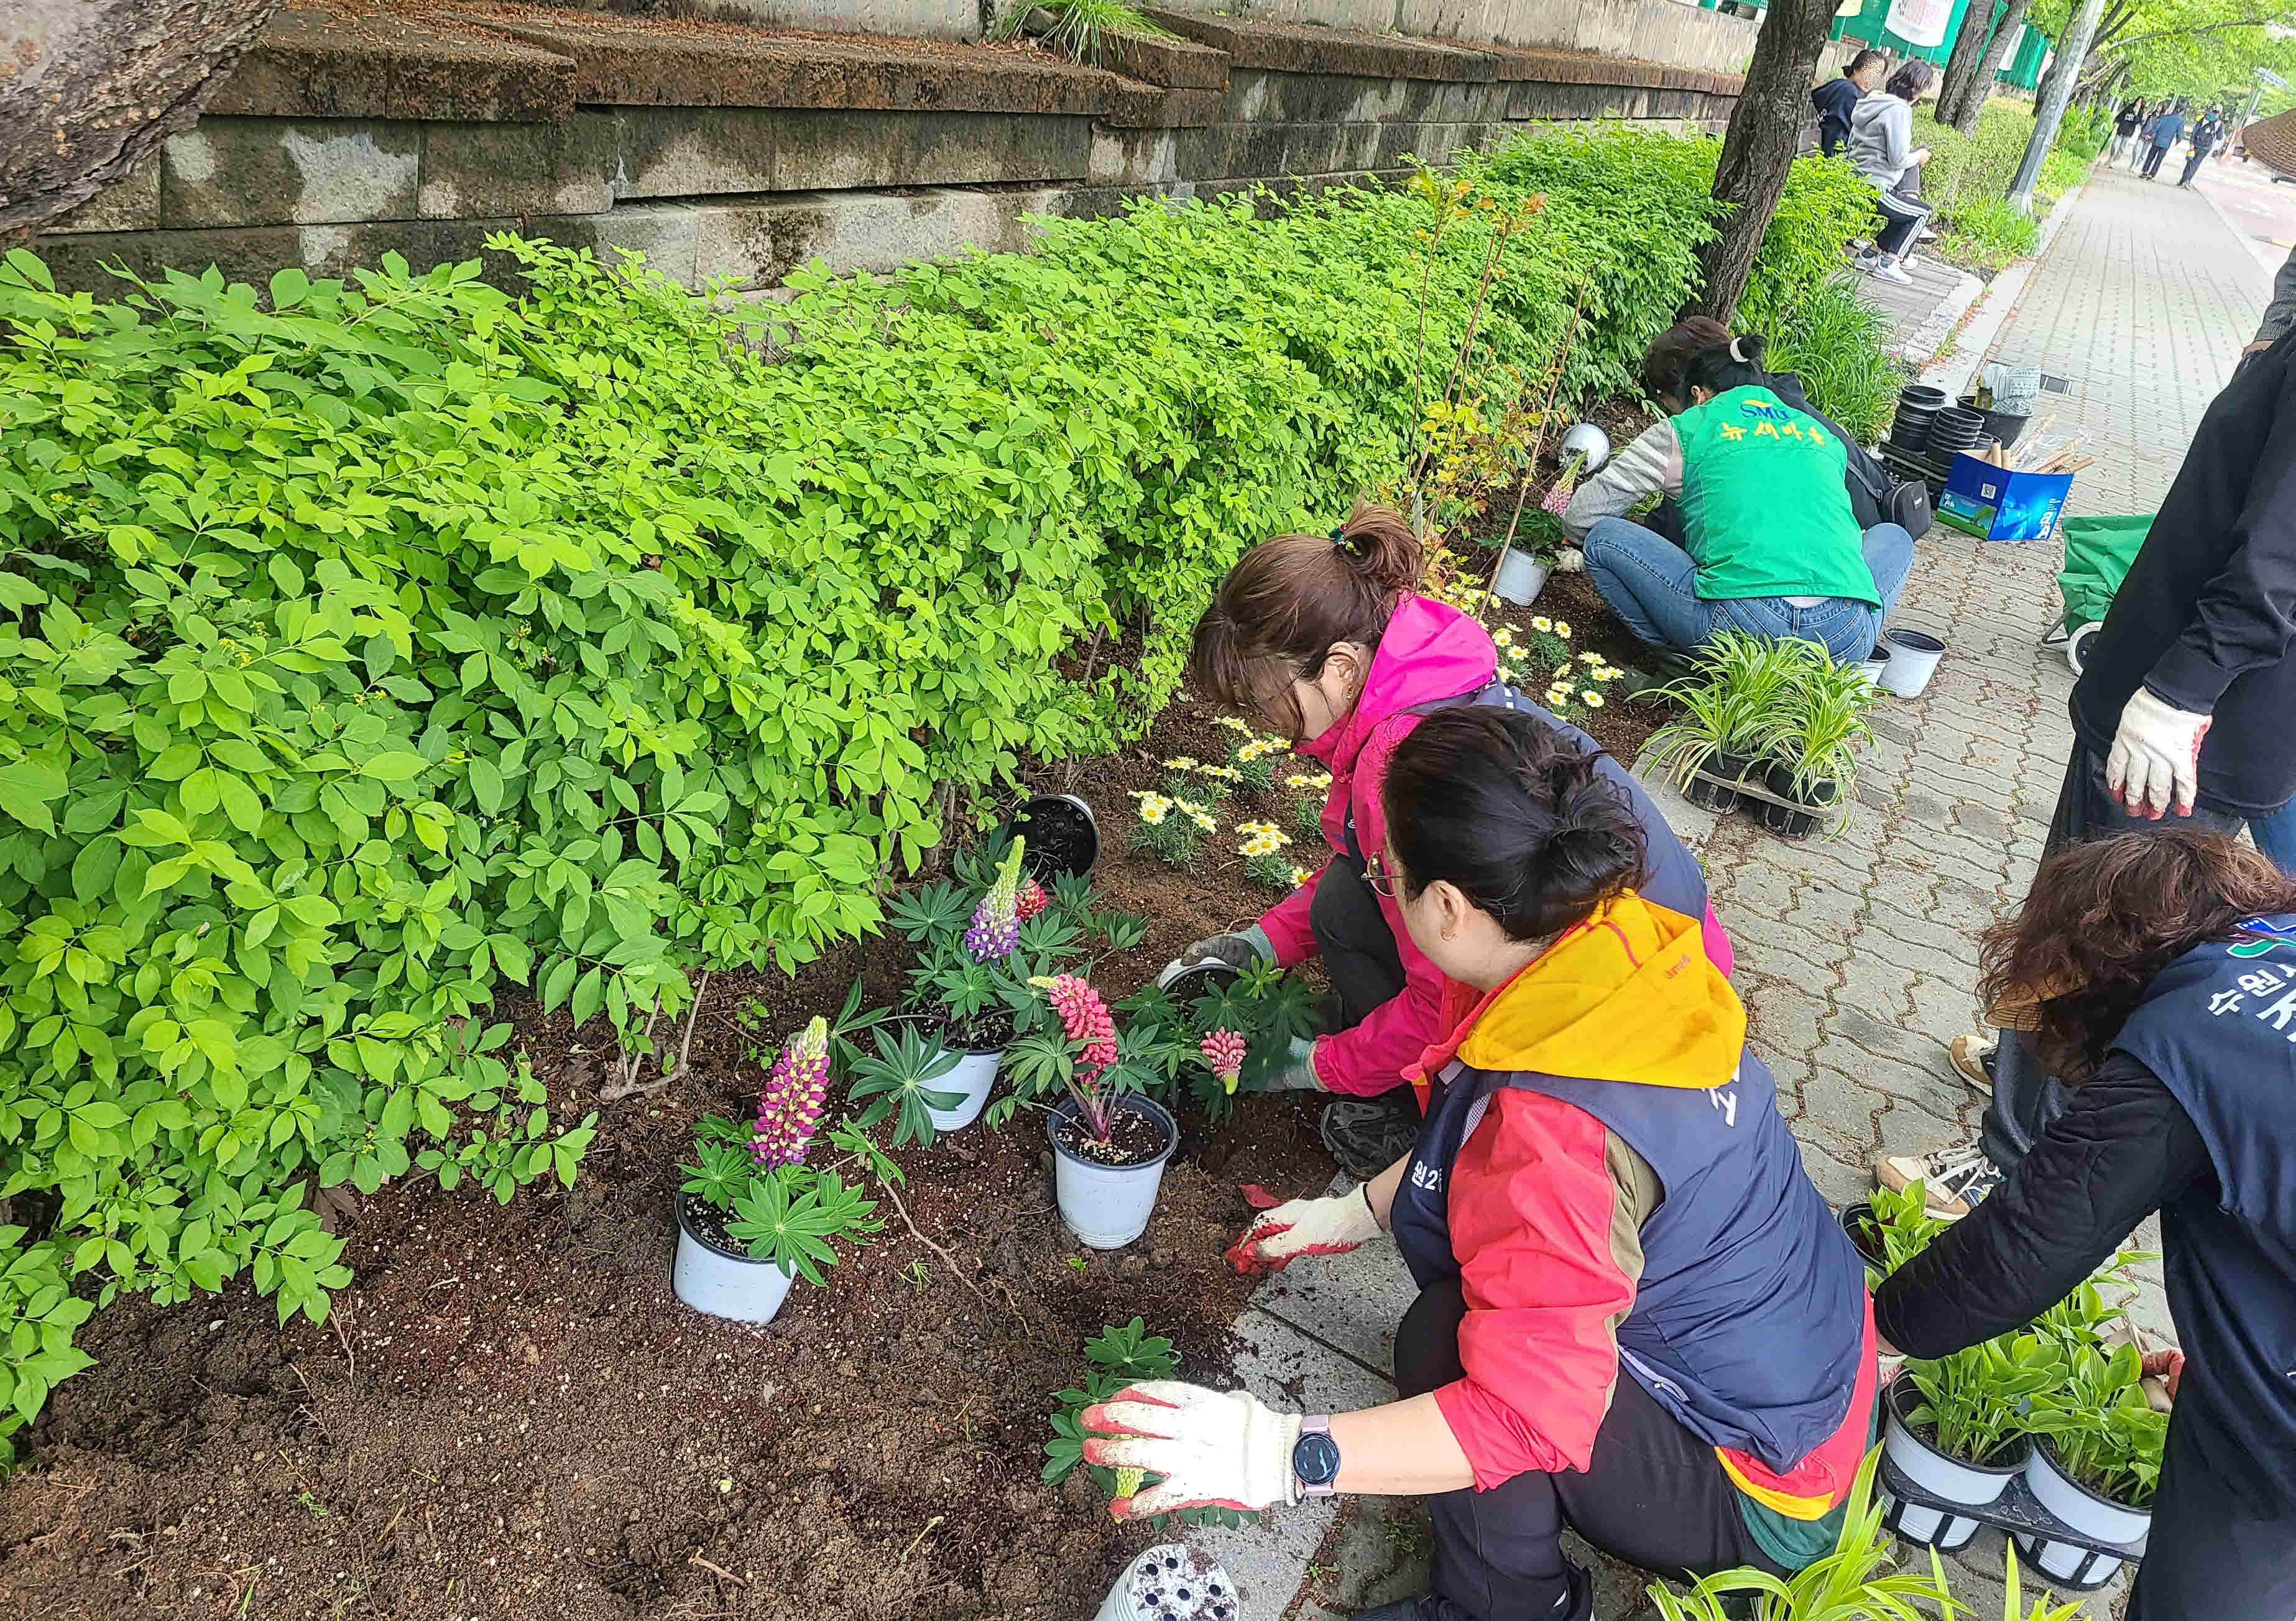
{"type": "Point", "coordinates": [1835, 98]}
{"type": "Point", "coordinates": [2185, 711]}
{"type": "Point", "coordinates": [2160, 974]}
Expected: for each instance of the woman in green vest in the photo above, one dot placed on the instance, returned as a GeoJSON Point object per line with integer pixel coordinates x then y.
{"type": "Point", "coordinates": [1771, 544]}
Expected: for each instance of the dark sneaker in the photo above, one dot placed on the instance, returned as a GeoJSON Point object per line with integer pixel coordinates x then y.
{"type": "Point", "coordinates": [1953, 1180]}
{"type": "Point", "coordinates": [1366, 1135]}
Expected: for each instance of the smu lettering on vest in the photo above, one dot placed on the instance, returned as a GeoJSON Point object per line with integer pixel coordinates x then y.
{"type": "Point", "coordinates": [1740, 1260]}
{"type": "Point", "coordinates": [2218, 1027]}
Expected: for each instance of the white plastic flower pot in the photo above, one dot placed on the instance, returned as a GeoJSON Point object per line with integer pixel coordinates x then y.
{"type": "Point", "coordinates": [1914, 656]}
{"type": "Point", "coordinates": [1171, 1582]}
{"type": "Point", "coordinates": [1522, 577]}
{"type": "Point", "coordinates": [1107, 1206]}
{"type": "Point", "coordinates": [974, 1074]}
{"type": "Point", "coordinates": [1973, 1485]}
{"type": "Point", "coordinates": [725, 1282]}
{"type": "Point", "coordinates": [2079, 1509]}
{"type": "Point", "coordinates": [1871, 669]}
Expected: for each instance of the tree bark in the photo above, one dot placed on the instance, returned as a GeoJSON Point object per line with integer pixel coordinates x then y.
{"type": "Point", "coordinates": [1960, 67]}
{"type": "Point", "coordinates": [1765, 134]}
{"type": "Point", "coordinates": [1996, 49]}
{"type": "Point", "coordinates": [95, 85]}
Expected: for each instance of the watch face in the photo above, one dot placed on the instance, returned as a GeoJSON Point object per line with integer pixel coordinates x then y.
{"type": "Point", "coordinates": [1315, 1458]}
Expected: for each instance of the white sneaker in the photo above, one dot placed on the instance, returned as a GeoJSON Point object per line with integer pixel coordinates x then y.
{"type": "Point", "coordinates": [1886, 271]}
{"type": "Point", "coordinates": [1971, 1056]}
{"type": "Point", "coordinates": [1953, 1180]}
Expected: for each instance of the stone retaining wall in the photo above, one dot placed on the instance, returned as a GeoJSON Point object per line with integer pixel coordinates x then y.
{"type": "Point", "coordinates": [725, 151]}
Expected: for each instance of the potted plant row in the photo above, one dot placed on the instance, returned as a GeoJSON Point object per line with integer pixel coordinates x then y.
{"type": "Point", "coordinates": [1771, 725]}
{"type": "Point", "coordinates": [2057, 1406]}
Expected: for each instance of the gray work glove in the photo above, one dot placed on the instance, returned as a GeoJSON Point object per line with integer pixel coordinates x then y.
{"type": "Point", "coordinates": [1299, 1072]}
{"type": "Point", "coordinates": [1238, 950]}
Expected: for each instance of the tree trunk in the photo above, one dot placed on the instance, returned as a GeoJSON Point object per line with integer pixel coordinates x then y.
{"type": "Point", "coordinates": [1960, 67]}
{"type": "Point", "coordinates": [95, 85]}
{"type": "Point", "coordinates": [1764, 135]}
{"type": "Point", "coordinates": [1996, 51]}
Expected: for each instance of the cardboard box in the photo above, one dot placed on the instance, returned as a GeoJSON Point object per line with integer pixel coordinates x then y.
{"type": "Point", "coordinates": [1998, 503]}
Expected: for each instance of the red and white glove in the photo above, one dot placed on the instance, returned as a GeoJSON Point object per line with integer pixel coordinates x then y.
{"type": "Point", "coordinates": [2167, 1368]}
{"type": "Point", "coordinates": [1214, 1449]}
{"type": "Point", "coordinates": [2155, 758]}
{"type": "Point", "coordinates": [1281, 1235]}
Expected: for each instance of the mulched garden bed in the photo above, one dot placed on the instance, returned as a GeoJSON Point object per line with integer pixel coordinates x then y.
{"type": "Point", "coordinates": [509, 1414]}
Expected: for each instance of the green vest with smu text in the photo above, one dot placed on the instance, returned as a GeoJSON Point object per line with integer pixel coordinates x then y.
{"type": "Point", "coordinates": [1763, 505]}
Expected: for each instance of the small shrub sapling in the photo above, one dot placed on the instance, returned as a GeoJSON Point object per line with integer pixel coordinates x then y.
{"type": "Point", "coordinates": [1120, 1356]}
{"type": "Point", "coordinates": [749, 1188]}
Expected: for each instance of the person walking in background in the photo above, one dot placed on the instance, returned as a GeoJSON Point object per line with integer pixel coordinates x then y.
{"type": "Point", "coordinates": [1835, 98]}
{"type": "Point", "coordinates": [2206, 134]}
{"type": "Point", "coordinates": [2181, 716]}
{"type": "Point", "coordinates": [2165, 128]}
{"type": "Point", "coordinates": [1881, 148]}
{"type": "Point", "coordinates": [2125, 125]}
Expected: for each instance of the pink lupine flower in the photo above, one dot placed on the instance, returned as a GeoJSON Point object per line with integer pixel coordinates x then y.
{"type": "Point", "coordinates": [1223, 1051]}
{"type": "Point", "coordinates": [1031, 900]}
{"type": "Point", "coordinates": [788, 1109]}
{"type": "Point", "coordinates": [996, 921]}
{"type": "Point", "coordinates": [1559, 498]}
{"type": "Point", "coordinates": [1084, 1018]}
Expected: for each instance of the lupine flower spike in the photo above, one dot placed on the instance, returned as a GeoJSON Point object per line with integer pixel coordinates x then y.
{"type": "Point", "coordinates": [996, 921]}
{"type": "Point", "coordinates": [788, 1109]}
{"type": "Point", "coordinates": [1223, 1051]}
{"type": "Point", "coordinates": [1565, 486]}
{"type": "Point", "coordinates": [1084, 1018]}
{"type": "Point", "coordinates": [1032, 899]}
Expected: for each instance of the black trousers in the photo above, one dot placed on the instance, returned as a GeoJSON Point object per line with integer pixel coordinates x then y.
{"type": "Point", "coordinates": [1359, 951]}
{"type": "Point", "coordinates": [2211, 1556]}
{"type": "Point", "coordinates": [1901, 217]}
{"type": "Point", "coordinates": [2024, 1099]}
{"type": "Point", "coordinates": [2192, 166]}
{"type": "Point", "coordinates": [1654, 1494]}
{"type": "Point", "coordinates": [2152, 157]}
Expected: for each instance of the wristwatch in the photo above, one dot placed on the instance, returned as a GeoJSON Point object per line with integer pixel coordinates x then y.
{"type": "Point", "coordinates": [1316, 1458]}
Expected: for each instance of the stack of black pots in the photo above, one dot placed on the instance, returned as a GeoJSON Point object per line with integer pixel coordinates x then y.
{"type": "Point", "coordinates": [1954, 430]}
{"type": "Point", "coordinates": [1918, 405]}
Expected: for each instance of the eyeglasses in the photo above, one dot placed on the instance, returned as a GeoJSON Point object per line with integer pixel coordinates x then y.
{"type": "Point", "coordinates": [1382, 881]}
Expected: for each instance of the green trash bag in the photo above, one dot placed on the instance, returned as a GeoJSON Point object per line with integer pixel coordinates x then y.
{"type": "Point", "coordinates": [2098, 553]}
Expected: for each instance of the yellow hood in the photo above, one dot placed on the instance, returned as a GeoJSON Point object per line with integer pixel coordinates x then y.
{"type": "Point", "coordinates": [1630, 995]}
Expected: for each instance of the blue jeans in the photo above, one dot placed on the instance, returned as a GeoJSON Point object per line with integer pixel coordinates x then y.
{"type": "Point", "coordinates": [2275, 837]}
{"type": "Point", "coordinates": [1652, 584]}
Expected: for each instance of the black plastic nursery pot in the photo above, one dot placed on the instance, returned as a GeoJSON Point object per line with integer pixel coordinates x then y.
{"type": "Point", "coordinates": [1062, 833]}
{"type": "Point", "coordinates": [2003, 425]}
{"type": "Point", "coordinates": [1198, 979]}
{"type": "Point", "coordinates": [1716, 796]}
{"type": "Point", "coordinates": [1865, 1232]}
{"type": "Point", "coordinates": [1792, 823]}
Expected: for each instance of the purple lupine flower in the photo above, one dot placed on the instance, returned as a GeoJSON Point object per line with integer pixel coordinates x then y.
{"type": "Point", "coordinates": [996, 921]}
{"type": "Point", "coordinates": [788, 1109]}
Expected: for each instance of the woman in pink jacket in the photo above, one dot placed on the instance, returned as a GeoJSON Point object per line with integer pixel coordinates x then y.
{"type": "Point", "coordinates": [1322, 638]}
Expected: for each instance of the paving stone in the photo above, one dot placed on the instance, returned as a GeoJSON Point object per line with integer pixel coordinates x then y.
{"type": "Point", "coordinates": [1352, 1302]}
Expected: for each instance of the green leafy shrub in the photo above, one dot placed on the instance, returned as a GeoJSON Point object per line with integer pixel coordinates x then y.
{"type": "Point", "coordinates": [366, 645]}
{"type": "Point", "coordinates": [1839, 345]}
{"type": "Point", "coordinates": [1989, 232]}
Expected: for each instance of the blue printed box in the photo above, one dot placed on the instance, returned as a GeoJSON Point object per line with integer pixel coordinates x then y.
{"type": "Point", "coordinates": [1997, 504]}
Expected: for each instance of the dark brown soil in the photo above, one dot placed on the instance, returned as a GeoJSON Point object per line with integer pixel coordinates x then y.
{"type": "Point", "coordinates": [1133, 1139]}
{"type": "Point", "coordinates": [509, 1414]}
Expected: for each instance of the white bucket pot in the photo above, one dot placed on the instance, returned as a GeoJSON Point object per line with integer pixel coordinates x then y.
{"type": "Point", "coordinates": [1171, 1583]}
{"type": "Point", "coordinates": [2099, 1518]}
{"type": "Point", "coordinates": [1914, 656]}
{"type": "Point", "coordinates": [1871, 668]}
{"type": "Point", "coordinates": [1107, 1206]}
{"type": "Point", "coordinates": [974, 1074]}
{"type": "Point", "coordinates": [725, 1282]}
{"type": "Point", "coordinates": [1969, 1484]}
{"type": "Point", "coordinates": [1522, 577]}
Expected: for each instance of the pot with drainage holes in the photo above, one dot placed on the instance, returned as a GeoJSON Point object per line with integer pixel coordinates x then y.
{"type": "Point", "coordinates": [1172, 1582]}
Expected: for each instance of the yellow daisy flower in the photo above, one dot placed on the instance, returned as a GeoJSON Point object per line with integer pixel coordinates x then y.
{"type": "Point", "coordinates": [1301, 875]}
{"type": "Point", "coordinates": [1542, 623]}
{"type": "Point", "coordinates": [1594, 699]}
{"type": "Point", "coordinates": [1181, 762]}
{"type": "Point", "coordinates": [1232, 723]}
{"type": "Point", "coordinates": [1562, 629]}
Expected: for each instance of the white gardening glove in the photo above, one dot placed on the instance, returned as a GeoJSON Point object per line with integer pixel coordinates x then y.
{"type": "Point", "coordinates": [1280, 1236]}
{"type": "Point", "coordinates": [1299, 1072]}
{"type": "Point", "coordinates": [1214, 1449]}
{"type": "Point", "coordinates": [2155, 759]}
{"type": "Point", "coordinates": [1239, 949]}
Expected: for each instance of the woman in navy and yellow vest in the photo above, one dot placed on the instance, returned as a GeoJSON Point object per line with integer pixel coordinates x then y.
{"type": "Point", "coordinates": [1636, 1317]}
{"type": "Point", "coordinates": [1771, 544]}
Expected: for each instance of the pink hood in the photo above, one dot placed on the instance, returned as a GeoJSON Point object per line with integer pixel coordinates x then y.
{"type": "Point", "coordinates": [1431, 650]}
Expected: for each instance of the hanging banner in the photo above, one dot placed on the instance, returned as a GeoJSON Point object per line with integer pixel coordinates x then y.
{"type": "Point", "coordinates": [1921, 22]}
